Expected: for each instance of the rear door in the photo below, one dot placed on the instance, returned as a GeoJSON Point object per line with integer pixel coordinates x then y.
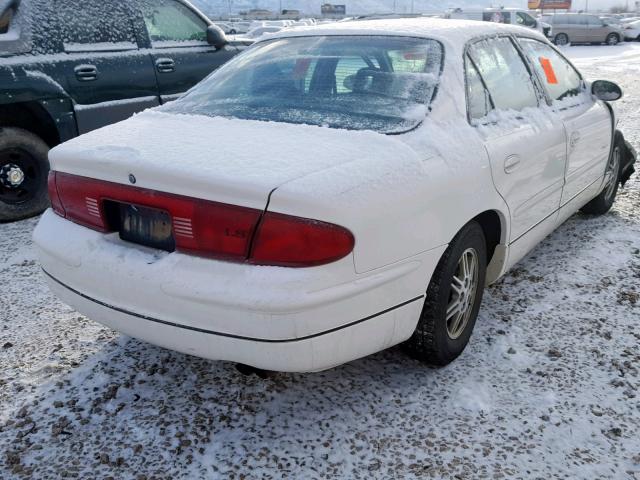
{"type": "Point", "coordinates": [587, 121]}
{"type": "Point", "coordinates": [179, 50]}
{"type": "Point", "coordinates": [596, 31]}
{"type": "Point", "coordinates": [108, 77]}
{"type": "Point", "coordinates": [525, 144]}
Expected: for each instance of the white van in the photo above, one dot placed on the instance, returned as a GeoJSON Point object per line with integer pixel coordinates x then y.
{"type": "Point", "coordinates": [514, 16]}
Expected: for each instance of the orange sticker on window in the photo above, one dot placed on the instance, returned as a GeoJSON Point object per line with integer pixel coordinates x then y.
{"type": "Point", "coordinates": [548, 70]}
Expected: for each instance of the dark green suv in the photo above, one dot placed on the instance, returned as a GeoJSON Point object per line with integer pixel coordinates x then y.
{"type": "Point", "coordinates": [71, 66]}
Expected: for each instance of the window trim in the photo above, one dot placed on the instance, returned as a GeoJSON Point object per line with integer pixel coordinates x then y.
{"type": "Point", "coordinates": [540, 93]}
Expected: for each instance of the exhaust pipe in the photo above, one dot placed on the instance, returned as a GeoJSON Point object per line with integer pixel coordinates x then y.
{"type": "Point", "coordinates": [248, 370]}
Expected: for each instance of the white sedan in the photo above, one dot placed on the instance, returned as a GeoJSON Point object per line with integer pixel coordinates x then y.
{"type": "Point", "coordinates": [331, 192]}
{"type": "Point", "coordinates": [631, 30]}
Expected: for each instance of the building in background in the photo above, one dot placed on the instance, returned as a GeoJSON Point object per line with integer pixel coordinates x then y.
{"type": "Point", "coordinates": [257, 14]}
{"type": "Point", "coordinates": [549, 4]}
{"type": "Point", "coordinates": [329, 10]}
{"type": "Point", "coordinates": [290, 14]}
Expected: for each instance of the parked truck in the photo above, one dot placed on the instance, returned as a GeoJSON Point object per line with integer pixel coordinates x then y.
{"type": "Point", "coordinates": [71, 66]}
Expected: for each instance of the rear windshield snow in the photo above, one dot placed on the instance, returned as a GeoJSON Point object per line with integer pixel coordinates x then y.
{"type": "Point", "coordinates": [383, 84]}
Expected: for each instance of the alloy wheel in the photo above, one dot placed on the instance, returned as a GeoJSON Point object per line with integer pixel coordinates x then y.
{"type": "Point", "coordinates": [464, 286]}
{"type": "Point", "coordinates": [611, 175]}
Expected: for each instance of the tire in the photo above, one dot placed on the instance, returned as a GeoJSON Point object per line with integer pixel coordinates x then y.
{"type": "Point", "coordinates": [612, 39]}
{"type": "Point", "coordinates": [24, 168]}
{"type": "Point", "coordinates": [561, 39]}
{"type": "Point", "coordinates": [437, 341]}
{"type": "Point", "coordinates": [232, 32]}
{"type": "Point", "coordinates": [604, 201]}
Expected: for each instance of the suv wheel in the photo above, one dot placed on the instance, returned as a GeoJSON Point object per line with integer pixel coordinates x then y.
{"type": "Point", "coordinates": [613, 39]}
{"type": "Point", "coordinates": [23, 174]}
{"type": "Point", "coordinates": [453, 299]}
{"type": "Point", "coordinates": [561, 39]}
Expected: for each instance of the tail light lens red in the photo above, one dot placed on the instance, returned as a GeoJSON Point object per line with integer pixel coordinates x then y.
{"type": "Point", "coordinates": [207, 228]}
{"type": "Point", "coordinates": [299, 242]}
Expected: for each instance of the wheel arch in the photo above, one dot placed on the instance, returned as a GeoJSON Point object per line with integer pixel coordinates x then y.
{"type": "Point", "coordinates": [495, 227]}
{"type": "Point", "coordinates": [33, 117]}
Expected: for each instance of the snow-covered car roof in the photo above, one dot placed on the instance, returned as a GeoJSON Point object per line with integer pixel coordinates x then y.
{"type": "Point", "coordinates": [455, 32]}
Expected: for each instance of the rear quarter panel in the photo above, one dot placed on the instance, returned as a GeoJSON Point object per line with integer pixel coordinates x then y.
{"type": "Point", "coordinates": [398, 206]}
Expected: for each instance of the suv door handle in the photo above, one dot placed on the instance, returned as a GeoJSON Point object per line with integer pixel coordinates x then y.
{"type": "Point", "coordinates": [165, 65]}
{"type": "Point", "coordinates": [86, 73]}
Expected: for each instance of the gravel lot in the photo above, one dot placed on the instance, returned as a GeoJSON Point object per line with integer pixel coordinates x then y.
{"type": "Point", "coordinates": [548, 387]}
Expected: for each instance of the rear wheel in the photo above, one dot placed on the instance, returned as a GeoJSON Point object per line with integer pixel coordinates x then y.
{"type": "Point", "coordinates": [23, 174]}
{"type": "Point", "coordinates": [603, 202]}
{"type": "Point", "coordinates": [561, 39]}
{"type": "Point", "coordinates": [613, 39]}
{"type": "Point", "coordinates": [453, 299]}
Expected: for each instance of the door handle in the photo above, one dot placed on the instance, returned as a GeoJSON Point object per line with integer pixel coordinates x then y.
{"type": "Point", "coordinates": [511, 163]}
{"type": "Point", "coordinates": [86, 73]}
{"type": "Point", "coordinates": [165, 65]}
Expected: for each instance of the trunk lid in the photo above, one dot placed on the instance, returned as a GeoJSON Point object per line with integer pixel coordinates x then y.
{"type": "Point", "coordinates": [225, 160]}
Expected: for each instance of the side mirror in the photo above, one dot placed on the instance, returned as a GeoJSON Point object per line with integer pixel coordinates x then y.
{"type": "Point", "coordinates": [606, 90]}
{"type": "Point", "coordinates": [216, 37]}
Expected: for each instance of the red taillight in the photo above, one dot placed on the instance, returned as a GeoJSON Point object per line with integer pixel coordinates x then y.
{"type": "Point", "coordinates": [199, 226]}
{"type": "Point", "coordinates": [207, 228]}
{"type": "Point", "coordinates": [299, 242]}
{"type": "Point", "coordinates": [56, 204]}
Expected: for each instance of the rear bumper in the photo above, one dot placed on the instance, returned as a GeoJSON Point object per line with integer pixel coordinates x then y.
{"type": "Point", "coordinates": [273, 318]}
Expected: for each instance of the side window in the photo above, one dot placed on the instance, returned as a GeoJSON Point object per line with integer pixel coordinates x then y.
{"type": "Point", "coordinates": [525, 19]}
{"type": "Point", "coordinates": [5, 21]}
{"type": "Point", "coordinates": [478, 99]}
{"type": "Point", "coordinates": [497, 17]}
{"type": "Point", "coordinates": [595, 22]}
{"type": "Point", "coordinates": [579, 20]}
{"type": "Point", "coordinates": [171, 21]}
{"type": "Point", "coordinates": [504, 73]}
{"type": "Point", "coordinates": [559, 78]}
{"type": "Point", "coordinates": [93, 25]}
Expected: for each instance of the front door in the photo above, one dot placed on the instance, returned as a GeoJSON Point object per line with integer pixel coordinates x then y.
{"type": "Point", "coordinates": [107, 76]}
{"type": "Point", "coordinates": [587, 121]}
{"type": "Point", "coordinates": [525, 143]}
{"type": "Point", "coordinates": [179, 49]}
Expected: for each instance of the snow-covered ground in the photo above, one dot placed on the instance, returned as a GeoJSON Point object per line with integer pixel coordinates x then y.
{"type": "Point", "coordinates": [548, 387]}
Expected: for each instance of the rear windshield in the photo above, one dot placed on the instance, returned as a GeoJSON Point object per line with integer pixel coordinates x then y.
{"type": "Point", "coordinates": [375, 83]}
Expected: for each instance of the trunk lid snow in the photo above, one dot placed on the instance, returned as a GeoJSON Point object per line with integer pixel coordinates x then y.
{"type": "Point", "coordinates": [226, 160]}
